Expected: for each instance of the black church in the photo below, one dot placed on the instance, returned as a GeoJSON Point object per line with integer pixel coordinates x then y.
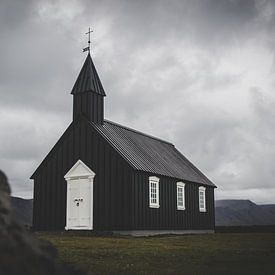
{"type": "Point", "coordinates": [104, 176]}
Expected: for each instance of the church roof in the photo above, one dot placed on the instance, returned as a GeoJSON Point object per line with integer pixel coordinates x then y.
{"type": "Point", "coordinates": [150, 154]}
{"type": "Point", "coordinates": [88, 79]}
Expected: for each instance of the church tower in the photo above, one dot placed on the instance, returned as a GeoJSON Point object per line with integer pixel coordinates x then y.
{"type": "Point", "coordinates": [88, 94]}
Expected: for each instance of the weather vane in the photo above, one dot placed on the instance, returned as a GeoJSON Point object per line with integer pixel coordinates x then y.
{"type": "Point", "coordinates": [89, 41]}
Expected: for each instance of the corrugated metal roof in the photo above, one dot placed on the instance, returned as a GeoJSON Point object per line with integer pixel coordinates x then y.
{"type": "Point", "coordinates": [150, 154]}
{"type": "Point", "coordinates": [88, 79]}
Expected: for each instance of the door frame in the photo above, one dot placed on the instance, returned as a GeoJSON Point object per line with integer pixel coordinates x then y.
{"type": "Point", "coordinates": [79, 171]}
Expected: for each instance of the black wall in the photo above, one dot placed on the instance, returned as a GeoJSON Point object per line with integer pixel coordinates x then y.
{"type": "Point", "coordinates": [90, 105]}
{"type": "Point", "coordinates": [121, 195]}
{"type": "Point", "coordinates": [167, 216]}
{"type": "Point", "coordinates": [112, 207]}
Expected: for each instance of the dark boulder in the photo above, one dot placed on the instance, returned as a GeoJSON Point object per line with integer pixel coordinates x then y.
{"type": "Point", "coordinates": [20, 252]}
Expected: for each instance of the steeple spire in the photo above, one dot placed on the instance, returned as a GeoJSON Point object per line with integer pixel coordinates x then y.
{"type": "Point", "coordinates": [88, 79]}
{"type": "Point", "coordinates": [88, 93]}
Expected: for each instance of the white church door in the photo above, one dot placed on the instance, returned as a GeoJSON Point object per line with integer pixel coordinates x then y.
{"type": "Point", "coordinates": [80, 202]}
{"type": "Point", "coordinates": [73, 213]}
{"type": "Point", "coordinates": [79, 197]}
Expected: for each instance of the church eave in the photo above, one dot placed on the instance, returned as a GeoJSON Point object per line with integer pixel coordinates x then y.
{"type": "Point", "coordinates": [88, 91]}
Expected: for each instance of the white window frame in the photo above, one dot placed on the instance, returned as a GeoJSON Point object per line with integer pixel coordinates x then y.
{"type": "Point", "coordinates": [181, 185]}
{"type": "Point", "coordinates": [153, 194]}
{"type": "Point", "coordinates": [202, 190]}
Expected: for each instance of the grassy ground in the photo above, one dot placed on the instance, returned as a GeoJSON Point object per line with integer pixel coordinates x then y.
{"type": "Point", "coordinates": [189, 254]}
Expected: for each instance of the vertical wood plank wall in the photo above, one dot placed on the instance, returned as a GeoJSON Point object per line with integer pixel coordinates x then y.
{"type": "Point", "coordinates": [111, 183]}
{"type": "Point", "coordinates": [90, 105]}
{"type": "Point", "coordinates": [121, 195]}
{"type": "Point", "coordinates": [167, 216]}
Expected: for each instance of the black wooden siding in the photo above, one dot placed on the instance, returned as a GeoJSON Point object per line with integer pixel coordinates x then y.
{"type": "Point", "coordinates": [89, 104]}
{"type": "Point", "coordinates": [112, 209]}
{"type": "Point", "coordinates": [121, 194]}
{"type": "Point", "coordinates": [167, 217]}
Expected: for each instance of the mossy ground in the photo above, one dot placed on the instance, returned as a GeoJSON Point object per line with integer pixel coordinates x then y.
{"type": "Point", "coordinates": [188, 254]}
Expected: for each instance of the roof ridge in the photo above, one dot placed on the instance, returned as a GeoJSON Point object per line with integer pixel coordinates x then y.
{"type": "Point", "coordinates": [137, 131]}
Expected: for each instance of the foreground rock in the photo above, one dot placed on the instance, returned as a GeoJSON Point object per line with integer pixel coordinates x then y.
{"type": "Point", "coordinates": [20, 252]}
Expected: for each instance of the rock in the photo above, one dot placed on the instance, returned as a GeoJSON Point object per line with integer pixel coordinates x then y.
{"type": "Point", "coordinates": [20, 252]}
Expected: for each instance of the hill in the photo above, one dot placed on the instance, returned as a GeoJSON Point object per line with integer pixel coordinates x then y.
{"type": "Point", "coordinates": [243, 213]}
{"type": "Point", "coordinates": [22, 210]}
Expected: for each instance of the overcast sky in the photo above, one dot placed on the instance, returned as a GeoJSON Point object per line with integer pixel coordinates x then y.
{"type": "Point", "coordinates": [200, 74]}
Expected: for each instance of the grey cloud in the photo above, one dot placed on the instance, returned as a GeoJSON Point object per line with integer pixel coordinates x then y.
{"type": "Point", "coordinates": [16, 13]}
{"type": "Point", "coordinates": [160, 64]}
{"type": "Point", "coordinates": [237, 153]}
{"type": "Point", "coordinates": [211, 23]}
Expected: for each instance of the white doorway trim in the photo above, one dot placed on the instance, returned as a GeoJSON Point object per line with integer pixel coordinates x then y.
{"type": "Point", "coordinates": [78, 177]}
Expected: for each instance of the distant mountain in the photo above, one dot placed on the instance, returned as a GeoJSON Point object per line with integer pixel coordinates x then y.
{"type": "Point", "coordinates": [22, 210]}
{"type": "Point", "coordinates": [243, 212]}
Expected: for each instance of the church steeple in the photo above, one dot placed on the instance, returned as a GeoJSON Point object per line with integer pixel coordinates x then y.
{"type": "Point", "coordinates": [88, 93]}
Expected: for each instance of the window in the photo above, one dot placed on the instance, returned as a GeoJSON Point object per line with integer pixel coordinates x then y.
{"type": "Point", "coordinates": [154, 192]}
{"type": "Point", "coordinates": [180, 196]}
{"type": "Point", "coordinates": [202, 199]}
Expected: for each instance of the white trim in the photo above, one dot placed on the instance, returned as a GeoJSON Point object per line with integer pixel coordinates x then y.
{"type": "Point", "coordinates": [202, 189]}
{"type": "Point", "coordinates": [86, 172]}
{"type": "Point", "coordinates": [79, 171]}
{"type": "Point", "coordinates": [91, 180]}
{"type": "Point", "coordinates": [181, 185]}
{"type": "Point", "coordinates": [154, 180]}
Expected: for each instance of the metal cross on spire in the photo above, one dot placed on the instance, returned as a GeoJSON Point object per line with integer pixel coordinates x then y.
{"type": "Point", "coordinates": [89, 41]}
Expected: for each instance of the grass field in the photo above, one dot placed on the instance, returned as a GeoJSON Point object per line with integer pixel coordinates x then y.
{"type": "Point", "coordinates": [189, 254]}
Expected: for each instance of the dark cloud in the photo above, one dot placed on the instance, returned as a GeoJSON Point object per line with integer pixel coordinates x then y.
{"type": "Point", "coordinates": [198, 73]}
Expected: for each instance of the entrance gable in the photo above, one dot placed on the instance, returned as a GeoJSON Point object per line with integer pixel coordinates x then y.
{"type": "Point", "coordinates": [79, 170]}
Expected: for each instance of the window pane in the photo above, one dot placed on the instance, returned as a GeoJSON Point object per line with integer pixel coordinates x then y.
{"type": "Point", "coordinates": [180, 196]}
{"type": "Point", "coordinates": [153, 192]}
{"type": "Point", "coordinates": [202, 200]}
